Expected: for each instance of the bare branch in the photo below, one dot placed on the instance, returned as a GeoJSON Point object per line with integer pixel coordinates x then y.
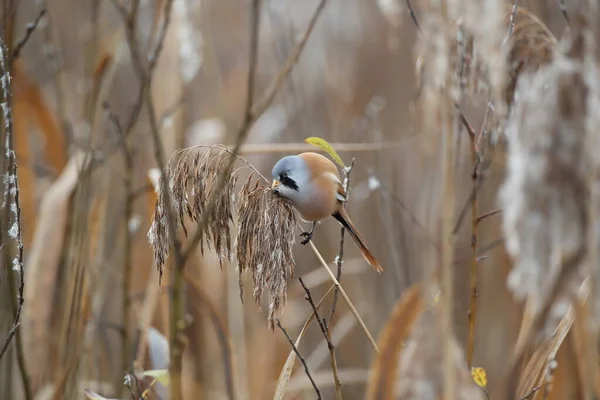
{"type": "Point", "coordinates": [340, 257]}
{"type": "Point", "coordinates": [563, 10]}
{"type": "Point", "coordinates": [11, 188]}
{"type": "Point", "coordinates": [511, 24]}
{"type": "Point", "coordinates": [487, 215]}
{"type": "Point", "coordinates": [300, 358]}
{"type": "Point", "coordinates": [29, 29]}
{"type": "Point", "coordinates": [15, 232]}
{"type": "Point", "coordinates": [326, 335]}
{"type": "Point", "coordinates": [413, 16]}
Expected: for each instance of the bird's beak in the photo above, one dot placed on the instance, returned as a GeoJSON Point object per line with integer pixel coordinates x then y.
{"type": "Point", "coordinates": [275, 183]}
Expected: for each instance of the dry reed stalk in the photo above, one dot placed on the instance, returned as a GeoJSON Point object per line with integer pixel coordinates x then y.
{"type": "Point", "coordinates": [258, 148]}
{"type": "Point", "coordinates": [327, 335]}
{"type": "Point", "coordinates": [441, 98]}
{"type": "Point", "coordinates": [447, 213]}
{"type": "Point", "coordinates": [144, 72]}
{"type": "Point", "coordinates": [422, 368]}
{"type": "Point", "coordinates": [11, 219]}
{"type": "Point", "coordinates": [400, 323]}
{"type": "Point", "coordinates": [345, 297]}
{"type": "Point", "coordinates": [339, 259]}
{"type": "Point", "coordinates": [48, 240]}
{"type": "Point", "coordinates": [587, 381]}
{"type": "Point", "coordinates": [534, 371]}
{"type": "Point", "coordinates": [222, 330]}
{"type": "Point", "coordinates": [530, 45]}
{"type": "Point", "coordinates": [286, 371]}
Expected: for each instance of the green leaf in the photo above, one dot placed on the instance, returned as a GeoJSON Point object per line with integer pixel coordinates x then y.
{"type": "Point", "coordinates": [161, 376]}
{"type": "Point", "coordinates": [325, 146]}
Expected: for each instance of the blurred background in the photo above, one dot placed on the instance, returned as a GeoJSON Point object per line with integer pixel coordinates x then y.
{"type": "Point", "coordinates": [87, 200]}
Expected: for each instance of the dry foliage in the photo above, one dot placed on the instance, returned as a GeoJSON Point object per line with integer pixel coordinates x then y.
{"type": "Point", "coordinates": [493, 266]}
{"type": "Point", "coordinates": [384, 371]}
{"type": "Point", "coordinates": [266, 237]}
{"type": "Point", "coordinates": [421, 372]}
{"type": "Point", "coordinates": [266, 223]}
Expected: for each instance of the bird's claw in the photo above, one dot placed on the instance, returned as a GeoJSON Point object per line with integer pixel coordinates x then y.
{"type": "Point", "coordinates": [307, 237]}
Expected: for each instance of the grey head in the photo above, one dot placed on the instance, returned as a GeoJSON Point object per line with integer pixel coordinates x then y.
{"type": "Point", "coordinates": [290, 174]}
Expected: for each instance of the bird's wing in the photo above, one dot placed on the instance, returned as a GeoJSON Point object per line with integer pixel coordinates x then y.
{"type": "Point", "coordinates": [341, 193]}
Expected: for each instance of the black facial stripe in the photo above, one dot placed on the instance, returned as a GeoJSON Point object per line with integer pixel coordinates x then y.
{"type": "Point", "coordinates": [289, 182]}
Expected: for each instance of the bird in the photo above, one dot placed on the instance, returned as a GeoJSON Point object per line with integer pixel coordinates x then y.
{"type": "Point", "coordinates": [311, 182]}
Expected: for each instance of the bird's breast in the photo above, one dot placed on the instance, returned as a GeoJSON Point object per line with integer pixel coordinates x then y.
{"type": "Point", "coordinates": [317, 202]}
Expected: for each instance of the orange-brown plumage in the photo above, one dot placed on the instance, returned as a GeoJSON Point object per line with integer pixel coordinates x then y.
{"type": "Point", "coordinates": [313, 185]}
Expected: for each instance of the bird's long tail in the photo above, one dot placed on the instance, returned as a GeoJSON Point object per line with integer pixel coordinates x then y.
{"type": "Point", "coordinates": [346, 222]}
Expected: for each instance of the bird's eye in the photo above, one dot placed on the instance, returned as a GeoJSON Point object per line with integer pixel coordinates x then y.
{"type": "Point", "coordinates": [284, 175]}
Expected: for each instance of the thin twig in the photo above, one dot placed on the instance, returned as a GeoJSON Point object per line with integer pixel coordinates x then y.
{"type": "Point", "coordinates": [549, 378]}
{"type": "Point", "coordinates": [466, 123]}
{"type": "Point", "coordinates": [530, 394]}
{"type": "Point", "coordinates": [563, 10]}
{"type": "Point", "coordinates": [340, 257]}
{"type": "Point", "coordinates": [472, 195]}
{"type": "Point", "coordinates": [511, 24]}
{"type": "Point", "coordinates": [299, 357]}
{"type": "Point", "coordinates": [253, 148]}
{"type": "Point", "coordinates": [462, 116]}
{"type": "Point", "coordinates": [11, 184]}
{"type": "Point", "coordinates": [345, 297]}
{"type": "Point", "coordinates": [472, 313]}
{"type": "Point", "coordinates": [487, 215]}
{"type": "Point", "coordinates": [330, 346]}
{"type": "Point", "coordinates": [29, 29]}
{"type": "Point", "coordinates": [413, 16]}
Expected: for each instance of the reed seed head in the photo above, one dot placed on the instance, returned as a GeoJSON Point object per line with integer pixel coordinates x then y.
{"type": "Point", "coordinates": [266, 223]}
{"type": "Point", "coordinates": [266, 236]}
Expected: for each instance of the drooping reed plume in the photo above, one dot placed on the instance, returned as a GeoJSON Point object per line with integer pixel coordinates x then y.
{"type": "Point", "coordinates": [265, 222]}
{"type": "Point", "coordinates": [265, 240]}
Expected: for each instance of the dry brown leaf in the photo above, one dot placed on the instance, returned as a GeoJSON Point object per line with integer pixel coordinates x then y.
{"type": "Point", "coordinates": [587, 368]}
{"type": "Point", "coordinates": [42, 266]}
{"type": "Point", "coordinates": [535, 370]}
{"type": "Point", "coordinates": [397, 329]}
